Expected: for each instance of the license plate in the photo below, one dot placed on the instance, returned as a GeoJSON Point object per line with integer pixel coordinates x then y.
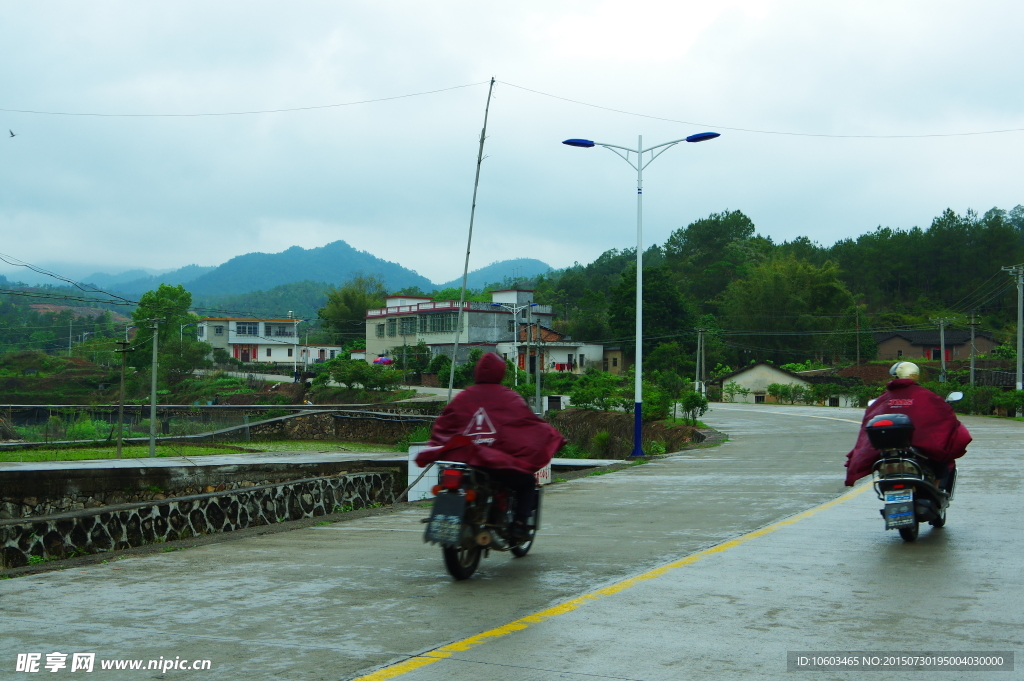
{"type": "Point", "coordinates": [899, 496]}
{"type": "Point", "coordinates": [445, 526]}
{"type": "Point", "coordinates": [899, 508]}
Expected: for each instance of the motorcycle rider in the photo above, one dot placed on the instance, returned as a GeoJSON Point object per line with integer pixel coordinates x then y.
{"type": "Point", "coordinates": [488, 425]}
{"type": "Point", "coordinates": [938, 434]}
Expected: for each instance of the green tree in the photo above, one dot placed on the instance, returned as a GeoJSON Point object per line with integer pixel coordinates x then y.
{"type": "Point", "coordinates": [798, 309]}
{"type": "Point", "coordinates": [169, 304]}
{"type": "Point", "coordinates": [345, 310]}
{"type": "Point", "coordinates": [666, 312]}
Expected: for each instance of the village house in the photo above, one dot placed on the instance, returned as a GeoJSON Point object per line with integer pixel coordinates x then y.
{"type": "Point", "coordinates": [753, 381]}
{"type": "Point", "coordinates": [271, 341]}
{"type": "Point", "coordinates": [500, 326]}
{"type": "Point", "coordinates": [911, 345]}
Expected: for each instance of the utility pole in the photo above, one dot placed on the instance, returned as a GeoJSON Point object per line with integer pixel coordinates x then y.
{"type": "Point", "coordinates": [974, 323]}
{"type": "Point", "coordinates": [120, 401]}
{"type": "Point", "coordinates": [152, 392]}
{"type": "Point", "coordinates": [69, 336]}
{"type": "Point", "coordinates": [469, 243]}
{"type": "Point", "coordinates": [1018, 272]}
{"type": "Point", "coordinates": [699, 356]}
{"type": "Point", "coordinates": [857, 313]}
{"type": "Point", "coordinates": [942, 322]}
{"type": "Point", "coordinates": [540, 407]}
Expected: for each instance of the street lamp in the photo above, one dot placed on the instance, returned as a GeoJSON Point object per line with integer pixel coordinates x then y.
{"type": "Point", "coordinates": [295, 345]}
{"type": "Point", "coordinates": [515, 310]}
{"type": "Point", "coordinates": [181, 331]}
{"type": "Point", "coordinates": [639, 165]}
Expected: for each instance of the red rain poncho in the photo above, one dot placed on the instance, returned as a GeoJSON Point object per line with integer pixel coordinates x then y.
{"type": "Point", "coordinates": [490, 426]}
{"type": "Point", "coordinates": [937, 432]}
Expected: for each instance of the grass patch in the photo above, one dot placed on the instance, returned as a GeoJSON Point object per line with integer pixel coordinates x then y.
{"type": "Point", "coordinates": [142, 451]}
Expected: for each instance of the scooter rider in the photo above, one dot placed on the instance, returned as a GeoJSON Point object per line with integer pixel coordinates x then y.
{"type": "Point", "coordinates": [490, 426]}
{"type": "Point", "coordinates": [938, 434]}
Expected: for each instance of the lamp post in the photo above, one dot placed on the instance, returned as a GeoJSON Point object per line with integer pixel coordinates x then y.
{"type": "Point", "coordinates": [639, 165]}
{"type": "Point", "coordinates": [515, 310]}
{"type": "Point", "coordinates": [181, 336]}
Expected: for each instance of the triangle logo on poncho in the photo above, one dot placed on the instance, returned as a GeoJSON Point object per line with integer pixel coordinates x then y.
{"type": "Point", "coordinates": [480, 424]}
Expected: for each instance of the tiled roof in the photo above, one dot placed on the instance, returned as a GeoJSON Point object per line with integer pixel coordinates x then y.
{"type": "Point", "coordinates": [931, 337]}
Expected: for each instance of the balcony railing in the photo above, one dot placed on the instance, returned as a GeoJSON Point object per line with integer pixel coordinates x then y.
{"type": "Point", "coordinates": [445, 305]}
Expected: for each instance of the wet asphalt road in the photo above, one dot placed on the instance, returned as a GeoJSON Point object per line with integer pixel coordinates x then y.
{"type": "Point", "coordinates": [337, 601]}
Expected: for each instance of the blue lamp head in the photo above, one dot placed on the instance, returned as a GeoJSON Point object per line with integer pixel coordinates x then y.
{"type": "Point", "coordinates": [703, 136]}
{"type": "Point", "coordinates": [534, 304]}
{"type": "Point", "coordinates": [586, 144]}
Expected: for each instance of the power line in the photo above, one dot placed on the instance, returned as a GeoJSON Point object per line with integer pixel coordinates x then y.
{"type": "Point", "coordinates": [242, 113]}
{"type": "Point", "coordinates": [755, 131]}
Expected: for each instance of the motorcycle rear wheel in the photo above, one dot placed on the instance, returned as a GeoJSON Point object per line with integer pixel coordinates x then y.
{"type": "Point", "coordinates": [940, 520]}
{"type": "Point", "coordinates": [461, 563]}
{"type": "Point", "coordinates": [522, 548]}
{"type": "Point", "coordinates": [909, 534]}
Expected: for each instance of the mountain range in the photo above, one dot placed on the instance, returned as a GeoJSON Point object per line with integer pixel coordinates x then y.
{"type": "Point", "coordinates": [331, 265]}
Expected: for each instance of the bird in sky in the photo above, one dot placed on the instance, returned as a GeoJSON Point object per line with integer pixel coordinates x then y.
{"type": "Point", "coordinates": [12, 132]}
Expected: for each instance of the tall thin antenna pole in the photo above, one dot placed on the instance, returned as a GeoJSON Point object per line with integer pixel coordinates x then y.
{"type": "Point", "coordinates": [469, 244]}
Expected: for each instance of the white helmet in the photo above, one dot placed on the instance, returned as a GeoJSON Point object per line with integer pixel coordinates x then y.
{"type": "Point", "coordinates": [905, 370]}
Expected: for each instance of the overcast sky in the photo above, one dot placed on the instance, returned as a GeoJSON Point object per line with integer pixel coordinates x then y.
{"type": "Point", "coordinates": [395, 178]}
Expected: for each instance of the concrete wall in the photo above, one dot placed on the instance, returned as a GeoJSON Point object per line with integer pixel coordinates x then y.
{"type": "Point", "coordinates": [128, 525]}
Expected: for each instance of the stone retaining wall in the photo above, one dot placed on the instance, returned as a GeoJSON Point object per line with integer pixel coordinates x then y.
{"type": "Point", "coordinates": [159, 520]}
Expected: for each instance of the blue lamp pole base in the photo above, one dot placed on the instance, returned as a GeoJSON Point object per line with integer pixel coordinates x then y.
{"type": "Point", "coordinates": [638, 429]}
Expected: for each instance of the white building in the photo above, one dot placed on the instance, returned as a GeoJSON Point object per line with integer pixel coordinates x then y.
{"type": "Point", "coordinates": [274, 341]}
{"type": "Point", "coordinates": [499, 326]}
{"type": "Point", "coordinates": [753, 382]}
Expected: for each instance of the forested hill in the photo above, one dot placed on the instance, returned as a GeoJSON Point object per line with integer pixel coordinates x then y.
{"type": "Point", "coordinates": [334, 263]}
{"type": "Point", "coordinates": [795, 300]}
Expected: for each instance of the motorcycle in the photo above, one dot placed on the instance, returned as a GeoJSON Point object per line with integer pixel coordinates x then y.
{"type": "Point", "coordinates": [472, 515]}
{"type": "Point", "coordinates": [904, 479]}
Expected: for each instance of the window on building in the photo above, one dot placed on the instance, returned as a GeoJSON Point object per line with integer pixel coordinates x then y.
{"type": "Point", "coordinates": [615, 361]}
{"type": "Point", "coordinates": [604, 364]}
{"type": "Point", "coordinates": [200, 330]}
{"type": "Point", "coordinates": [899, 353]}
{"type": "Point", "coordinates": [380, 331]}
{"type": "Point", "coordinates": [833, 401]}
{"type": "Point", "coordinates": [268, 330]}
{"type": "Point", "coordinates": [441, 323]}
{"type": "Point", "coordinates": [511, 325]}
{"type": "Point", "coordinates": [424, 323]}
{"type": "Point", "coordinates": [392, 327]}
{"type": "Point", "coordinates": [758, 399]}
{"type": "Point", "coordinates": [268, 352]}
{"type": "Point", "coordinates": [333, 353]}
{"type": "Point", "coordinates": [408, 326]}
{"type": "Point", "coordinates": [218, 330]}
{"type": "Point", "coordinates": [581, 361]}
{"type": "Point", "coordinates": [289, 352]}
{"type": "Point", "coordinates": [247, 328]}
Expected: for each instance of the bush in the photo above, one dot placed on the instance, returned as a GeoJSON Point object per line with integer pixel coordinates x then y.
{"type": "Point", "coordinates": [1010, 401]}
{"type": "Point", "coordinates": [596, 390]}
{"type": "Point", "coordinates": [694, 405]}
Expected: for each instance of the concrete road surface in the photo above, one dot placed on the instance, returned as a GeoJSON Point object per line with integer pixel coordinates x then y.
{"type": "Point", "coordinates": [658, 572]}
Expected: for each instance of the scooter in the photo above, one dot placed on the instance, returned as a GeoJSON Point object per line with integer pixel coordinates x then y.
{"type": "Point", "coordinates": [906, 480]}
{"type": "Point", "coordinates": [472, 515]}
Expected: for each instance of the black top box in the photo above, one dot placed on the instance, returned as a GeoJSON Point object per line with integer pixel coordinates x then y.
{"type": "Point", "coordinates": [890, 431]}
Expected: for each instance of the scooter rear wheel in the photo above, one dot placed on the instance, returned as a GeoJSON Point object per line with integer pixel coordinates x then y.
{"type": "Point", "coordinates": [940, 520]}
{"type": "Point", "coordinates": [909, 533]}
{"type": "Point", "coordinates": [462, 563]}
{"type": "Point", "coordinates": [522, 548]}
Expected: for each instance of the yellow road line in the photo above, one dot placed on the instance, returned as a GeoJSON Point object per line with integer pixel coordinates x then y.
{"type": "Point", "coordinates": [438, 654]}
{"type": "Point", "coordinates": [783, 413]}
